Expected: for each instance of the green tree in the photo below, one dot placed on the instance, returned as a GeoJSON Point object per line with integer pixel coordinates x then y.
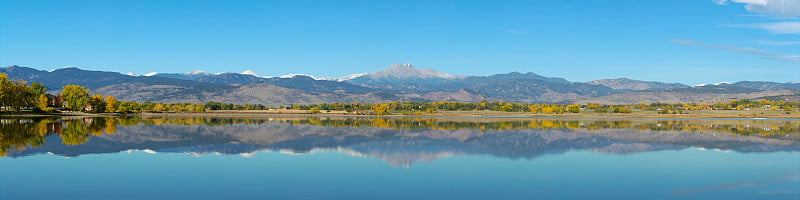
{"type": "Point", "coordinates": [176, 108]}
{"type": "Point", "coordinates": [5, 86]}
{"type": "Point", "coordinates": [199, 108]}
{"type": "Point", "coordinates": [76, 96]}
{"type": "Point", "coordinates": [38, 88]}
{"type": "Point", "coordinates": [507, 107]}
{"type": "Point", "coordinates": [76, 132]}
{"type": "Point", "coordinates": [98, 103]}
{"type": "Point", "coordinates": [574, 108]}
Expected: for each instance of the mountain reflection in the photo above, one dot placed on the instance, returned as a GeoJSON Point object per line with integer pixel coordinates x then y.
{"type": "Point", "coordinates": [400, 141]}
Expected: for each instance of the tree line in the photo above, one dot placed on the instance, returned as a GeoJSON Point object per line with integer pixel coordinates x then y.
{"type": "Point", "coordinates": [418, 108]}
{"type": "Point", "coordinates": [17, 95]}
{"type": "Point", "coordinates": [20, 95]}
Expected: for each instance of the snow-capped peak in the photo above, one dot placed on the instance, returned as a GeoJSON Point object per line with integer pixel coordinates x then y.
{"type": "Point", "coordinates": [721, 83]}
{"type": "Point", "coordinates": [65, 67]}
{"type": "Point", "coordinates": [250, 72]}
{"type": "Point", "coordinates": [293, 75]}
{"type": "Point", "coordinates": [130, 74]}
{"type": "Point", "coordinates": [198, 72]}
{"type": "Point", "coordinates": [351, 76]}
{"type": "Point", "coordinates": [409, 71]}
{"type": "Point", "coordinates": [150, 74]}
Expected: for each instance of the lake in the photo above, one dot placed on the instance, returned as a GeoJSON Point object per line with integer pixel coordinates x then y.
{"type": "Point", "coordinates": [398, 158]}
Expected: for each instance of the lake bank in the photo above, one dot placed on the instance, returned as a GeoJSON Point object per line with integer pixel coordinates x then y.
{"type": "Point", "coordinates": [489, 114]}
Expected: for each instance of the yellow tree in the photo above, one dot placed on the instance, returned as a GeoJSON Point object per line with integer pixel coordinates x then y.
{"type": "Point", "coordinates": [158, 107]}
{"type": "Point", "coordinates": [111, 104]}
{"type": "Point", "coordinates": [42, 101]}
{"type": "Point", "coordinates": [189, 108]}
{"type": "Point", "coordinates": [547, 109]}
{"type": "Point", "coordinates": [199, 108]}
{"type": "Point", "coordinates": [430, 110]}
{"type": "Point", "coordinates": [574, 108]}
{"type": "Point", "coordinates": [535, 108]}
{"type": "Point", "coordinates": [176, 108]}
{"type": "Point", "coordinates": [381, 109]}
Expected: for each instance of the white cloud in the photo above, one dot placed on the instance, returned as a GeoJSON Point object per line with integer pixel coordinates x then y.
{"type": "Point", "coordinates": [774, 27]}
{"type": "Point", "coordinates": [776, 43]}
{"type": "Point", "coordinates": [748, 50]}
{"type": "Point", "coordinates": [789, 60]}
{"type": "Point", "coordinates": [785, 8]}
{"type": "Point", "coordinates": [781, 8]}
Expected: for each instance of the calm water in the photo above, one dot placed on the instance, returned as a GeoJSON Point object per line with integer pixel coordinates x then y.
{"type": "Point", "coordinates": [397, 158]}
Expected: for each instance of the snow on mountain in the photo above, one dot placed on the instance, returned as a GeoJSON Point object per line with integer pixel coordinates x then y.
{"type": "Point", "coordinates": [705, 84]}
{"type": "Point", "coordinates": [721, 83]}
{"type": "Point", "coordinates": [198, 72]}
{"type": "Point", "coordinates": [343, 78]}
{"type": "Point", "coordinates": [409, 71]}
{"type": "Point", "coordinates": [65, 67]}
{"type": "Point", "coordinates": [293, 75]}
{"type": "Point", "coordinates": [150, 74]}
{"type": "Point", "coordinates": [250, 72]}
{"type": "Point", "coordinates": [351, 76]}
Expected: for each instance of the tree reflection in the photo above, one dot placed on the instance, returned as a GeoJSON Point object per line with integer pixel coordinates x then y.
{"type": "Point", "coordinates": [75, 133]}
{"type": "Point", "coordinates": [20, 133]}
{"type": "Point", "coordinates": [17, 134]}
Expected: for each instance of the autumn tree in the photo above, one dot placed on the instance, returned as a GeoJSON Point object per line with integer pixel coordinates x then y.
{"type": "Point", "coordinates": [547, 109]}
{"type": "Point", "coordinates": [574, 108]}
{"type": "Point", "coordinates": [159, 107]}
{"type": "Point", "coordinates": [507, 107]}
{"type": "Point", "coordinates": [76, 96]}
{"type": "Point", "coordinates": [98, 103]}
{"type": "Point", "coordinates": [111, 104]}
{"type": "Point", "coordinates": [41, 102]}
{"type": "Point", "coordinates": [382, 109]}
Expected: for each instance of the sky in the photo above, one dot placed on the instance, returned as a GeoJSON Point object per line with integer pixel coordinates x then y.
{"type": "Point", "coordinates": [684, 41]}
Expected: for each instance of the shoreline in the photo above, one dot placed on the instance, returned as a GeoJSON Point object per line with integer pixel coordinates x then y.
{"type": "Point", "coordinates": [728, 114]}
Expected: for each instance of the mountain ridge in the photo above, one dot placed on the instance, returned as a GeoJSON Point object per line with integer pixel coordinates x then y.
{"type": "Point", "coordinates": [417, 85]}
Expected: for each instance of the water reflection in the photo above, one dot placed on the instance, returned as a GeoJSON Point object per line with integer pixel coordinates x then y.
{"type": "Point", "coordinates": [398, 141]}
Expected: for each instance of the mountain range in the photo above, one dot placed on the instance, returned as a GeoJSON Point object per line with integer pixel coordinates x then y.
{"type": "Point", "coordinates": [399, 82]}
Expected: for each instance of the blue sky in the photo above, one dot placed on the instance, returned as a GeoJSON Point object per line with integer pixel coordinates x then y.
{"type": "Point", "coordinates": [686, 41]}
